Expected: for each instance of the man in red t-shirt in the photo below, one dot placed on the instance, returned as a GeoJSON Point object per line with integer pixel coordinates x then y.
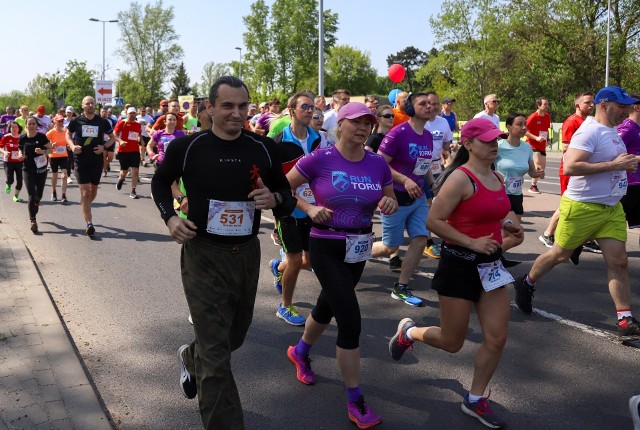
{"type": "Point", "coordinates": [584, 106]}
{"type": "Point", "coordinates": [174, 107]}
{"type": "Point", "coordinates": [538, 125]}
{"type": "Point", "coordinates": [129, 132]}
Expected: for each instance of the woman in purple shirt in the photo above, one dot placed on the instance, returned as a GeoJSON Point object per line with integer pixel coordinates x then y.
{"type": "Point", "coordinates": [348, 184]}
{"type": "Point", "coordinates": [161, 139]}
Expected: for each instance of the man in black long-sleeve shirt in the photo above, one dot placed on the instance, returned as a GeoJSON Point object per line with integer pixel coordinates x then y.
{"type": "Point", "coordinates": [230, 175]}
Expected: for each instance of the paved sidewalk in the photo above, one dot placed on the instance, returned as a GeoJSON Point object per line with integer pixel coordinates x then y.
{"type": "Point", "coordinates": [42, 383]}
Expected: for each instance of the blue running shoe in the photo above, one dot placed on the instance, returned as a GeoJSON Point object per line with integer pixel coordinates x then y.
{"type": "Point", "coordinates": [404, 294]}
{"type": "Point", "coordinates": [290, 315]}
{"type": "Point", "coordinates": [277, 275]}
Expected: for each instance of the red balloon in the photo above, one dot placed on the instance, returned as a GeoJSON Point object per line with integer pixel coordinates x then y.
{"type": "Point", "coordinates": [397, 73]}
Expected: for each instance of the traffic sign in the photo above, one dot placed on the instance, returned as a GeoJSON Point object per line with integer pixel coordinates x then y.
{"type": "Point", "coordinates": [104, 92]}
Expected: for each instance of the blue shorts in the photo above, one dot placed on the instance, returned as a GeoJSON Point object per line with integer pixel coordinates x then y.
{"type": "Point", "coordinates": [412, 217]}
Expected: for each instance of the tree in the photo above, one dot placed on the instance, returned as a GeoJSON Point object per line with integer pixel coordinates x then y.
{"type": "Point", "coordinates": [181, 83]}
{"type": "Point", "coordinates": [131, 89]}
{"type": "Point", "coordinates": [350, 68]}
{"type": "Point", "coordinates": [282, 46]}
{"type": "Point", "coordinates": [46, 88]}
{"type": "Point", "coordinates": [159, 55]}
{"type": "Point", "coordinates": [411, 59]}
{"type": "Point", "coordinates": [77, 83]}
{"type": "Point", "coordinates": [210, 73]}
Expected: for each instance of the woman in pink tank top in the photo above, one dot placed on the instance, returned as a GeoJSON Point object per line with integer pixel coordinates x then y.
{"type": "Point", "coordinates": [470, 212]}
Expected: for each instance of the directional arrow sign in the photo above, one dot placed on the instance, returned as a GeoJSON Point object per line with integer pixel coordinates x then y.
{"type": "Point", "coordinates": [104, 90]}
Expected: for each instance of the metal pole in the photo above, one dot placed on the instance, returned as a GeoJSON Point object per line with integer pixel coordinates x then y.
{"type": "Point", "coordinates": [103, 47]}
{"type": "Point", "coordinates": [239, 62]}
{"type": "Point", "coordinates": [606, 72]}
{"type": "Point", "coordinates": [320, 49]}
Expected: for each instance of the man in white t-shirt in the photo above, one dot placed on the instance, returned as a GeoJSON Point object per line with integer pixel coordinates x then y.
{"type": "Point", "coordinates": [144, 119]}
{"type": "Point", "coordinates": [491, 104]}
{"type": "Point", "coordinates": [340, 98]}
{"type": "Point", "coordinates": [597, 163]}
{"type": "Point", "coordinates": [442, 138]}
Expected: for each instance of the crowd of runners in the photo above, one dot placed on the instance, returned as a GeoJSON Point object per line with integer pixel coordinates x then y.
{"type": "Point", "coordinates": [327, 170]}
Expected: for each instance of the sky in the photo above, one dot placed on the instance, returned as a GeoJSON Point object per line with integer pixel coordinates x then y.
{"type": "Point", "coordinates": [49, 34]}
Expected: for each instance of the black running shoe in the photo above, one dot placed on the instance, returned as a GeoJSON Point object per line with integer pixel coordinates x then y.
{"type": "Point", "coordinates": [591, 246]}
{"type": "Point", "coordinates": [91, 230]}
{"type": "Point", "coordinates": [399, 342]}
{"type": "Point", "coordinates": [628, 326]}
{"type": "Point", "coordinates": [575, 255]}
{"type": "Point", "coordinates": [34, 227]}
{"type": "Point", "coordinates": [482, 411]}
{"type": "Point", "coordinates": [395, 264]}
{"type": "Point", "coordinates": [524, 295]}
{"type": "Point", "coordinates": [187, 380]}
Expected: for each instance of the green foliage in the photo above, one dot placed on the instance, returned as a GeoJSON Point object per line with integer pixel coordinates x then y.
{"type": "Point", "coordinates": [181, 83]}
{"type": "Point", "coordinates": [350, 68]}
{"type": "Point", "coordinates": [523, 49]}
{"type": "Point", "coordinates": [210, 73]}
{"type": "Point", "coordinates": [148, 45]}
{"type": "Point", "coordinates": [411, 58]}
{"type": "Point", "coordinates": [46, 89]}
{"type": "Point", "coordinates": [132, 90]}
{"type": "Point", "coordinates": [78, 82]}
{"type": "Point", "coordinates": [282, 44]}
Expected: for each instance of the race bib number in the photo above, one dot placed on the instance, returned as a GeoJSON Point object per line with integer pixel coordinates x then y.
{"type": "Point", "coordinates": [544, 135]}
{"type": "Point", "coordinates": [493, 275]}
{"type": "Point", "coordinates": [619, 183]}
{"type": "Point", "coordinates": [422, 166]}
{"type": "Point", "coordinates": [230, 218]}
{"type": "Point", "coordinates": [358, 247]}
{"type": "Point", "coordinates": [513, 184]}
{"type": "Point", "coordinates": [134, 135]}
{"type": "Point", "coordinates": [41, 161]}
{"type": "Point", "coordinates": [89, 131]}
{"type": "Point", "coordinates": [436, 167]}
{"type": "Point", "coordinates": [61, 149]}
{"type": "Point", "coordinates": [305, 192]}
{"type": "Point", "coordinates": [15, 155]}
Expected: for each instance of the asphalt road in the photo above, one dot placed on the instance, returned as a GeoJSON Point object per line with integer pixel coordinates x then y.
{"type": "Point", "coordinates": [121, 298]}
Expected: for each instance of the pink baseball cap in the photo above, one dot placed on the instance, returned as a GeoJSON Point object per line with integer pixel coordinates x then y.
{"type": "Point", "coordinates": [482, 129]}
{"type": "Point", "coordinates": [353, 110]}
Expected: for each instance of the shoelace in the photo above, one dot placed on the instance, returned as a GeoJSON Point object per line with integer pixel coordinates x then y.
{"type": "Point", "coordinates": [362, 406]}
{"type": "Point", "coordinates": [292, 311]}
{"type": "Point", "coordinates": [407, 291]}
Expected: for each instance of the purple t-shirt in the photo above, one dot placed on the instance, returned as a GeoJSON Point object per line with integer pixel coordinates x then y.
{"type": "Point", "coordinates": [5, 119]}
{"type": "Point", "coordinates": [409, 151]}
{"type": "Point", "coordinates": [629, 131]}
{"type": "Point", "coordinates": [164, 139]}
{"type": "Point", "coordinates": [350, 189]}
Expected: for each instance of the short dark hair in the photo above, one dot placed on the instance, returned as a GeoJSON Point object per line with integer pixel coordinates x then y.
{"type": "Point", "coordinates": [512, 117]}
{"type": "Point", "coordinates": [370, 99]}
{"type": "Point", "coordinates": [231, 81]}
{"type": "Point", "coordinates": [274, 102]}
{"type": "Point", "coordinates": [539, 100]}
{"type": "Point", "coordinates": [293, 101]}
{"type": "Point", "coordinates": [582, 94]}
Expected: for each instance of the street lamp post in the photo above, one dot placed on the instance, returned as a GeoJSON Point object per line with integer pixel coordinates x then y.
{"type": "Point", "coordinates": [240, 62]}
{"type": "Point", "coordinates": [103, 39]}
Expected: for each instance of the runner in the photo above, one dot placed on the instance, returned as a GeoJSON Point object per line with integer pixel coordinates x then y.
{"type": "Point", "coordinates": [85, 137]}
{"type": "Point", "coordinates": [470, 213]}
{"type": "Point", "coordinates": [9, 116]}
{"type": "Point", "coordinates": [491, 104]}
{"type": "Point", "coordinates": [144, 119]}
{"type": "Point", "coordinates": [44, 122]}
{"type": "Point", "coordinates": [348, 184]}
{"type": "Point", "coordinates": [297, 140]}
{"type": "Point", "coordinates": [33, 150]}
{"type": "Point", "coordinates": [224, 169]}
{"type": "Point", "coordinates": [408, 149]}
{"type": "Point", "coordinates": [629, 131]}
{"type": "Point", "coordinates": [11, 159]}
{"type": "Point", "coordinates": [597, 164]}
{"type": "Point", "coordinates": [128, 136]}
{"type": "Point", "coordinates": [538, 125]}
{"type": "Point", "coordinates": [515, 158]}
{"type": "Point", "coordinates": [384, 118]}
{"type": "Point", "coordinates": [162, 138]}
{"type": "Point", "coordinates": [59, 157]}
{"type": "Point", "coordinates": [109, 152]}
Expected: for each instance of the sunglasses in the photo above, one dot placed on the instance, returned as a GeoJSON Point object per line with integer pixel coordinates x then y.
{"type": "Point", "coordinates": [318, 116]}
{"type": "Point", "coordinates": [495, 102]}
{"type": "Point", "coordinates": [164, 105]}
{"type": "Point", "coordinates": [305, 107]}
{"type": "Point", "coordinates": [388, 115]}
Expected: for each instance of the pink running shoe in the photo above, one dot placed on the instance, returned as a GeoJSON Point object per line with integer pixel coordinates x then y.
{"type": "Point", "coordinates": [303, 367]}
{"type": "Point", "coordinates": [362, 415]}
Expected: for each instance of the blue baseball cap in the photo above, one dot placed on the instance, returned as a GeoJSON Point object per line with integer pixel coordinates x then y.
{"type": "Point", "coordinates": [615, 94]}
